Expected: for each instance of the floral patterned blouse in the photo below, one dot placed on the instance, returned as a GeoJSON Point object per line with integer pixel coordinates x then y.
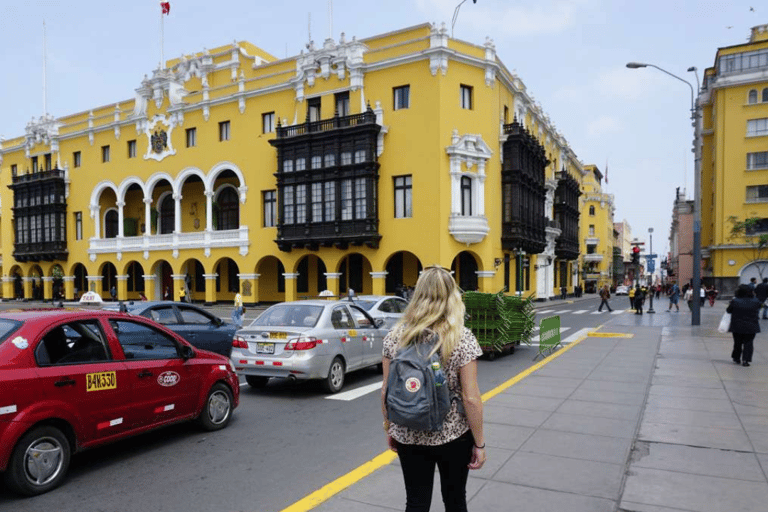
{"type": "Point", "coordinates": [455, 424]}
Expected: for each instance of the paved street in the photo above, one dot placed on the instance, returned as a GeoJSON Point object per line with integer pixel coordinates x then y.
{"type": "Point", "coordinates": [650, 416]}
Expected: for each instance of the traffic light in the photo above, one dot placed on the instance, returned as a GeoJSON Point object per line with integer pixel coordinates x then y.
{"type": "Point", "coordinates": [636, 255]}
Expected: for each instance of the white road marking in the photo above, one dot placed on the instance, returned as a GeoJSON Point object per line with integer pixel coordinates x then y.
{"type": "Point", "coordinates": [356, 393]}
{"type": "Point", "coordinates": [580, 311]}
{"type": "Point", "coordinates": [617, 311]}
{"type": "Point", "coordinates": [570, 339]}
{"type": "Point", "coordinates": [535, 339]}
{"type": "Point", "coordinates": [598, 312]}
{"type": "Point", "coordinates": [543, 311]}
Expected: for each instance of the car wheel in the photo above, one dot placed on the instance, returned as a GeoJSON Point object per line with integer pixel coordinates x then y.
{"type": "Point", "coordinates": [256, 382]}
{"type": "Point", "coordinates": [218, 408]}
{"type": "Point", "coordinates": [335, 380]}
{"type": "Point", "coordinates": [39, 462]}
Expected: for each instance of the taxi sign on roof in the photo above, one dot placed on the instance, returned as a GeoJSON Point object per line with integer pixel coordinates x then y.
{"type": "Point", "coordinates": [90, 298]}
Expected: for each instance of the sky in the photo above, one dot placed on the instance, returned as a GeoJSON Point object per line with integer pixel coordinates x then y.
{"type": "Point", "coordinates": [571, 54]}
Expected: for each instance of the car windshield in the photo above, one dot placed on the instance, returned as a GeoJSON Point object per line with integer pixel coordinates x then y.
{"type": "Point", "coordinates": [365, 304]}
{"type": "Point", "coordinates": [7, 327]}
{"type": "Point", "coordinates": [289, 315]}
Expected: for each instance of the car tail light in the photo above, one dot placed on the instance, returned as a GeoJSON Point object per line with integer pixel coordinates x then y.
{"type": "Point", "coordinates": [239, 342]}
{"type": "Point", "coordinates": [301, 344]}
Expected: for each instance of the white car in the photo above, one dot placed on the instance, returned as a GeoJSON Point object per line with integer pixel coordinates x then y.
{"type": "Point", "coordinates": [622, 290]}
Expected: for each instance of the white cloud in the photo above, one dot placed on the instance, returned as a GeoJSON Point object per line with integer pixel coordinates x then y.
{"type": "Point", "coordinates": [500, 18]}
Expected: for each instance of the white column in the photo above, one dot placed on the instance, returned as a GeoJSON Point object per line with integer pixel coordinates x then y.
{"type": "Point", "coordinates": [147, 215]}
{"type": "Point", "coordinates": [455, 192]}
{"type": "Point", "coordinates": [209, 210]}
{"type": "Point", "coordinates": [480, 195]}
{"type": "Point", "coordinates": [177, 213]}
{"type": "Point", "coordinates": [95, 210]}
{"type": "Point", "coordinates": [120, 227]}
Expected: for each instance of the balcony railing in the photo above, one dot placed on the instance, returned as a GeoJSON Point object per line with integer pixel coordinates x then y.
{"type": "Point", "coordinates": [37, 176]}
{"type": "Point", "coordinates": [324, 125]}
{"type": "Point", "coordinates": [206, 240]}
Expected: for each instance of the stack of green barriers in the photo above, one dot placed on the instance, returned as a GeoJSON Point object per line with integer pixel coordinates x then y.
{"type": "Point", "coordinates": [499, 322]}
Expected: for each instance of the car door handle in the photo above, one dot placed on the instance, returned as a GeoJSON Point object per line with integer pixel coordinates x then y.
{"type": "Point", "coordinates": [65, 382]}
{"type": "Point", "coordinates": [144, 373]}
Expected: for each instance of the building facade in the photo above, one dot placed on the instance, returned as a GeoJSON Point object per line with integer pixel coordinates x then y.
{"type": "Point", "coordinates": [732, 132]}
{"type": "Point", "coordinates": [348, 167]}
{"type": "Point", "coordinates": [680, 259]}
{"type": "Point", "coordinates": [596, 231]}
{"type": "Point", "coordinates": [623, 249]}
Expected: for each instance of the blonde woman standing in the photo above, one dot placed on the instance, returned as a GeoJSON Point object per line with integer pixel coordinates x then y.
{"type": "Point", "coordinates": [436, 307]}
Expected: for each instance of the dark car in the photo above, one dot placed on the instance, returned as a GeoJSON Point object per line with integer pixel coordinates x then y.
{"type": "Point", "coordinates": [194, 324]}
{"type": "Point", "coordinates": [75, 379]}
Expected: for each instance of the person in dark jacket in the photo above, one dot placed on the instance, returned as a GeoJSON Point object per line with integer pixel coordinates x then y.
{"type": "Point", "coordinates": [744, 310]}
{"type": "Point", "coordinates": [639, 299]}
{"type": "Point", "coordinates": [761, 292]}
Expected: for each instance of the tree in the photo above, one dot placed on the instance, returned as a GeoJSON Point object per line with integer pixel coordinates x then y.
{"type": "Point", "coordinates": [754, 232]}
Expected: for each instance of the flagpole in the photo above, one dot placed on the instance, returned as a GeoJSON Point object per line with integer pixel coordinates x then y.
{"type": "Point", "coordinates": [162, 24]}
{"type": "Point", "coordinates": [45, 92]}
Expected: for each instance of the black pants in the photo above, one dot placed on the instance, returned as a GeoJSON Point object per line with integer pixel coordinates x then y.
{"type": "Point", "coordinates": [604, 302]}
{"type": "Point", "coordinates": [418, 464]}
{"type": "Point", "coordinates": [745, 340]}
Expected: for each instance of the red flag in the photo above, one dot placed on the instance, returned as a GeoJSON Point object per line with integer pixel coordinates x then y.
{"type": "Point", "coordinates": [166, 6]}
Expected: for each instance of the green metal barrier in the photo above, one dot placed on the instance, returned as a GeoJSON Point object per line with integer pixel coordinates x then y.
{"type": "Point", "coordinates": [549, 336]}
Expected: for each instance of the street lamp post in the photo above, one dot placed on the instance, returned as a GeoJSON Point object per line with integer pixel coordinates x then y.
{"type": "Point", "coordinates": [456, 14]}
{"type": "Point", "coordinates": [650, 265]}
{"type": "Point", "coordinates": [696, 281]}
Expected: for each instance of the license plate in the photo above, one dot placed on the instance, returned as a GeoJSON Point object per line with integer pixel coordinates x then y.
{"type": "Point", "coordinates": [265, 348]}
{"type": "Point", "coordinates": [278, 335]}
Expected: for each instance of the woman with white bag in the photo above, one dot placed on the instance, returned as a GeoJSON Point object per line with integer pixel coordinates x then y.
{"type": "Point", "coordinates": [744, 310]}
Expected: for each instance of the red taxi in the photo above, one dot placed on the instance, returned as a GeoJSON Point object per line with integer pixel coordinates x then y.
{"type": "Point", "coordinates": [71, 380]}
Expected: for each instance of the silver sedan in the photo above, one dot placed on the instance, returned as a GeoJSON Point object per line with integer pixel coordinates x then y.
{"type": "Point", "coordinates": [309, 339]}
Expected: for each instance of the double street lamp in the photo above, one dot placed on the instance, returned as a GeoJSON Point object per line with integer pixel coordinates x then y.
{"type": "Point", "coordinates": [696, 281]}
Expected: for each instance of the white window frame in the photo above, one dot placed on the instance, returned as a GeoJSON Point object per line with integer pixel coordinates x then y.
{"type": "Point", "coordinates": [225, 131]}
{"type": "Point", "coordinates": [268, 122]}
{"type": "Point", "coordinates": [757, 127]}
{"type": "Point", "coordinates": [401, 97]}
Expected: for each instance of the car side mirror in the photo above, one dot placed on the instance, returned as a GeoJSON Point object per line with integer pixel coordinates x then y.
{"type": "Point", "coordinates": [187, 352]}
{"type": "Point", "coordinates": [378, 323]}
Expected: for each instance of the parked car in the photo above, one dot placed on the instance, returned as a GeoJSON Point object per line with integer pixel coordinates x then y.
{"type": "Point", "coordinates": [387, 307]}
{"type": "Point", "coordinates": [309, 339]}
{"type": "Point", "coordinates": [76, 379]}
{"type": "Point", "coordinates": [622, 290]}
{"type": "Point", "coordinates": [194, 324]}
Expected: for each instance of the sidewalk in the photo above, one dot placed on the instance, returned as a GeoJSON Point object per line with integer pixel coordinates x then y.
{"type": "Point", "coordinates": [660, 421]}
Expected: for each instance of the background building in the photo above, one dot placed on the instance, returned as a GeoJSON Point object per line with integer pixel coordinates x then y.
{"type": "Point", "coordinates": [596, 231]}
{"type": "Point", "coordinates": [733, 133]}
{"type": "Point", "coordinates": [350, 166]}
{"type": "Point", "coordinates": [680, 259]}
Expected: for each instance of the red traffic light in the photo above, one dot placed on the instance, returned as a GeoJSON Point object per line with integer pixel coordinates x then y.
{"type": "Point", "coordinates": [635, 249]}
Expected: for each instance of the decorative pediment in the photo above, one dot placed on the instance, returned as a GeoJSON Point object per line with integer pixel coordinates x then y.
{"type": "Point", "coordinates": [164, 82]}
{"type": "Point", "coordinates": [158, 132]}
{"type": "Point", "coordinates": [332, 59]}
{"type": "Point", "coordinates": [44, 130]}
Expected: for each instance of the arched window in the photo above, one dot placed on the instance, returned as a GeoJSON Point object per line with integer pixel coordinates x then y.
{"type": "Point", "coordinates": [591, 210]}
{"type": "Point", "coordinates": [167, 215]}
{"type": "Point", "coordinates": [765, 95]}
{"type": "Point", "coordinates": [466, 196]}
{"type": "Point", "coordinates": [752, 96]}
{"type": "Point", "coordinates": [229, 209]}
{"type": "Point", "coordinates": [110, 224]}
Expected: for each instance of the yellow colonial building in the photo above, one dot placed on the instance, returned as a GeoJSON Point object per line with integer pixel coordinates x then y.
{"type": "Point", "coordinates": [597, 232]}
{"type": "Point", "coordinates": [732, 131]}
{"type": "Point", "coordinates": [350, 166]}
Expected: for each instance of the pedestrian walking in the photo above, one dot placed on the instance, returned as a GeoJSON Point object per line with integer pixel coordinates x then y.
{"type": "Point", "coordinates": [753, 283]}
{"type": "Point", "coordinates": [639, 299]}
{"type": "Point", "coordinates": [674, 296]}
{"type": "Point", "coordinates": [113, 292]}
{"type": "Point", "coordinates": [688, 297]}
{"type": "Point", "coordinates": [436, 308]}
{"type": "Point", "coordinates": [744, 310]}
{"type": "Point", "coordinates": [605, 294]}
{"type": "Point", "coordinates": [238, 312]}
{"type": "Point", "coordinates": [761, 293]}
{"type": "Point", "coordinates": [631, 295]}
{"type": "Point", "coordinates": [702, 295]}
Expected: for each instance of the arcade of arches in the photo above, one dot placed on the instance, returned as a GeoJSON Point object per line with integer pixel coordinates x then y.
{"type": "Point", "coordinates": [270, 279]}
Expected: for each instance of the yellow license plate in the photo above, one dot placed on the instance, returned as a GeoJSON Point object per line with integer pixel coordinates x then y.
{"type": "Point", "coordinates": [277, 335]}
{"type": "Point", "coordinates": [100, 381]}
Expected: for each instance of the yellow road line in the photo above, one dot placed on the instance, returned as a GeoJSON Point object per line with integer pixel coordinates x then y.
{"type": "Point", "coordinates": [329, 490]}
{"type": "Point", "coordinates": [594, 334]}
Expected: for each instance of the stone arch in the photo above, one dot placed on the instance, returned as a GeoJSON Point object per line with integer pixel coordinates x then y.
{"type": "Point", "coordinates": [227, 280]}
{"type": "Point", "coordinates": [403, 268]}
{"type": "Point", "coordinates": [163, 272]}
{"type": "Point", "coordinates": [187, 173]}
{"type": "Point", "coordinates": [135, 282]}
{"type": "Point", "coordinates": [222, 167]}
{"type": "Point", "coordinates": [99, 189]}
{"type": "Point", "coordinates": [464, 267]}
{"type": "Point", "coordinates": [122, 190]}
{"type": "Point", "coordinates": [108, 273]}
{"type": "Point", "coordinates": [109, 221]}
{"type": "Point", "coordinates": [757, 269]}
{"type": "Point", "coordinates": [17, 273]}
{"type": "Point", "coordinates": [80, 273]}
{"type": "Point", "coordinates": [156, 178]}
{"type": "Point", "coordinates": [311, 279]}
{"type": "Point", "coordinates": [195, 269]}
{"type": "Point", "coordinates": [271, 280]}
{"type": "Point", "coordinates": [355, 270]}
{"type": "Point", "coordinates": [227, 216]}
